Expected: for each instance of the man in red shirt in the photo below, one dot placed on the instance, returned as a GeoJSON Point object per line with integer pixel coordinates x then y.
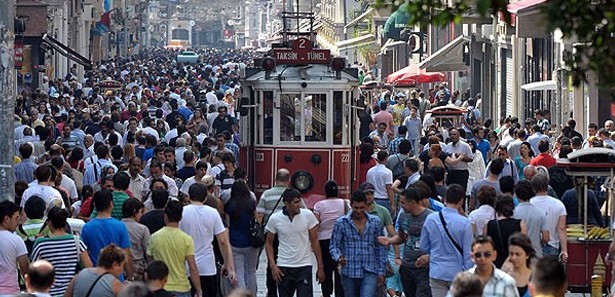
{"type": "Point", "coordinates": [384, 116]}
{"type": "Point", "coordinates": [544, 158]}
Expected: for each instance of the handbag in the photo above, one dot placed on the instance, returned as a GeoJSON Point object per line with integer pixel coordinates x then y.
{"type": "Point", "coordinates": [257, 234]}
{"type": "Point", "coordinates": [257, 230]}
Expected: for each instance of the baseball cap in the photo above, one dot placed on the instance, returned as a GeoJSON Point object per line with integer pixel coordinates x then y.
{"type": "Point", "coordinates": [366, 187]}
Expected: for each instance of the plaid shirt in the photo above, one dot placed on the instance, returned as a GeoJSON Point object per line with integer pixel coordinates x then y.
{"type": "Point", "coordinates": [234, 148]}
{"type": "Point", "coordinates": [363, 253]}
{"type": "Point", "coordinates": [499, 285]}
{"type": "Point", "coordinates": [394, 144]}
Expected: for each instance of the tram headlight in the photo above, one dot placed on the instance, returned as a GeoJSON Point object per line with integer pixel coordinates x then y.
{"type": "Point", "coordinates": [303, 181]}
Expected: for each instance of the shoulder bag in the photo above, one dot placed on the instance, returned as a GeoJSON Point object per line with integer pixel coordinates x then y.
{"type": "Point", "coordinates": [257, 230]}
{"type": "Point", "coordinates": [94, 284]}
{"type": "Point", "coordinates": [457, 246]}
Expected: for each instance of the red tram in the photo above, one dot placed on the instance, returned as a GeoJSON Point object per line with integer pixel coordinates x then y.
{"type": "Point", "coordinates": [300, 116]}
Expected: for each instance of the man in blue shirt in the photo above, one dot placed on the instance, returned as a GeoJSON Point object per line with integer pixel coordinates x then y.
{"type": "Point", "coordinates": [481, 144]}
{"type": "Point", "coordinates": [447, 246]}
{"type": "Point", "coordinates": [354, 246]}
{"type": "Point", "coordinates": [105, 230]}
{"type": "Point", "coordinates": [25, 169]}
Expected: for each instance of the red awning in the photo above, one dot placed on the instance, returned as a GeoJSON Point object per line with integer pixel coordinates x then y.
{"type": "Point", "coordinates": [520, 6]}
{"type": "Point", "coordinates": [516, 7]}
{"type": "Point", "coordinates": [412, 75]}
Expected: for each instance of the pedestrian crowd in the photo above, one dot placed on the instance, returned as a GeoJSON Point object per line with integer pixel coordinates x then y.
{"type": "Point", "coordinates": [136, 190]}
{"type": "Point", "coordinates": [129, 175]}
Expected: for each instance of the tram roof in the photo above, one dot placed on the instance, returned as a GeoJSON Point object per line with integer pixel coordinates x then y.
{"type": "Point", "coordinates": [311, 72]}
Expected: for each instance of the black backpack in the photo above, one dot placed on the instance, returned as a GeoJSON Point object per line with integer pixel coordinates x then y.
{"type": "Point", "coordinates": [398, 169]}
{"type": "Point", "coordinates": [29, 241]}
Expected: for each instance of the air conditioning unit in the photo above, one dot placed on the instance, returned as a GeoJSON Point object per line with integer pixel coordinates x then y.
{"type": "Point", "coordinates": [486, 31]}
{"type": "Point", "coordinates": [89, 13]}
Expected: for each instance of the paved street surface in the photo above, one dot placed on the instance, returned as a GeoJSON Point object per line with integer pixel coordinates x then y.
{"type": "Point", "coordinates": [261, 278]}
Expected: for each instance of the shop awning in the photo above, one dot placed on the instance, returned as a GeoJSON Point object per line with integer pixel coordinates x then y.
{"type": "Point", "coordinates": [547, 85]}
{"type": "Point", "coordinates": [399, 20]}
{"type": "Point", "coordinates": [523, 5]}
{"type": "Point", "coordinates": [355, 42]}
{"type": "Point", "coordinates": [528, 18]}
{"type": "Point", "coordinates": [66, 51]}
{"type": "Point", "coordinates": [448, 58]}
{"type": "Point", "coordinates": [390, 44]}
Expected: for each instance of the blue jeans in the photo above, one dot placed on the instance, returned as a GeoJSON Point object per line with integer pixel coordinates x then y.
{"type": "Point", "coordinates": [360, 287]}
{"type": "Point", "coordinates": [245, 266]}
{"type": "Point", "coordinates": [550, 251]}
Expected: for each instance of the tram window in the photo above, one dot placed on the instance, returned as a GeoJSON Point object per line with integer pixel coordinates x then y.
{"type": "Point", "coordinates": [315, 114]}
{"type": "Point", "coordinates": [290, 117]}
{"type": "Point", "coordinates": [338, 117]}
{"type": "Point", "coordinates": [268, 117]}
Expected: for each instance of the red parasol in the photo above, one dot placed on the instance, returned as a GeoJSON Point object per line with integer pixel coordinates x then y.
{"type": "Point", "coordinates": [412, 75]}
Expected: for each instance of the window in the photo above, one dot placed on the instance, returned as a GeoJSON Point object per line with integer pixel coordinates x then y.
{"type": "Point", "coordinates": [338, 117]}
{"type": "Point", "coordinates": [315, 114]}
{"type": "Point", "coordinates": [290, 117]}
{"type": "Point", "coordinates": [181, 34]}
{"type": "Point", "coordinates": [268, 117]}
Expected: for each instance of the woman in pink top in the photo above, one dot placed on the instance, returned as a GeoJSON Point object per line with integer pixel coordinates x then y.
{"type": "Point", "coordinates": [327, 211]}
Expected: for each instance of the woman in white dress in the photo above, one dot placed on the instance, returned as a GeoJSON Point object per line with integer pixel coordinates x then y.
{"type": "Point", "coordinates": [476, 167]}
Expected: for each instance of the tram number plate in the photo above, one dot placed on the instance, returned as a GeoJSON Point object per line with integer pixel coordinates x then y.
{"type": "Point", "coordinates": [259, 157]}
{"type": "Point", "coordinates": [345, 158]}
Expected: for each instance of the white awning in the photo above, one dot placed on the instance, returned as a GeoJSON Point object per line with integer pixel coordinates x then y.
{"type": "Point", "coordinates": [355, 42]}
{"type": "Point", "coordinates": [359, 19]}
{"type": "Point", "coordinates": [547, 85]}
{"type": "Point", "coordinates": [448, 58]}
{"type": "Point", "coordinates": [390, 44]}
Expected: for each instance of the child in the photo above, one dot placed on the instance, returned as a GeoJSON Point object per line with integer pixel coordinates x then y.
{"type": "Point", "coordinates": [84, 208]}
{"type": "Point", "coordinates": [156, 276]}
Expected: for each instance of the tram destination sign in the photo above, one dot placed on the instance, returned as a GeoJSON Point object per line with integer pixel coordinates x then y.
{"type": "Point", "coordinates": [301, 52]}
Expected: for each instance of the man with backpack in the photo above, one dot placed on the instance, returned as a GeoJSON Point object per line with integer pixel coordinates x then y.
{"type": "Point", "coordinates": [35, 226]}
{"type": "Point", "coordinates": [395, 162]}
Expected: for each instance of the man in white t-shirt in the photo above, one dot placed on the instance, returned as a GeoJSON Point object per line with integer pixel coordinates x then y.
{"type": "Point", "coordinates": [202, 223]}
{"type": "Point", "coordinates": [556, 218]}
{"type": "Point", "coordinates": [297, 231]}
{"type": "Point", "coordinates": [13, 249]}
{"type": "Point", "coordinates": [43, 188]}
{"type": "Point", "coordinates": [382, 179]}
{"type": "Point", "coordinates": [200, 172]}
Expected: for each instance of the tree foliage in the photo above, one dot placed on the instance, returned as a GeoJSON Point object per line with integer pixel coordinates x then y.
{"type": "Point", "coordinates": [589, 23]}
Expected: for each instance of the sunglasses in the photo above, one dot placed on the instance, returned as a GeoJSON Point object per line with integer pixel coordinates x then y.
{"type": "Point", "coordinates": [485, 254]}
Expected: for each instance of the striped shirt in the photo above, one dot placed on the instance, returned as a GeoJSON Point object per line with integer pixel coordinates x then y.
{"type": "Point", "coordinates": [224, 180]}
{"type": "Point", "coordinates": [62, 253]}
